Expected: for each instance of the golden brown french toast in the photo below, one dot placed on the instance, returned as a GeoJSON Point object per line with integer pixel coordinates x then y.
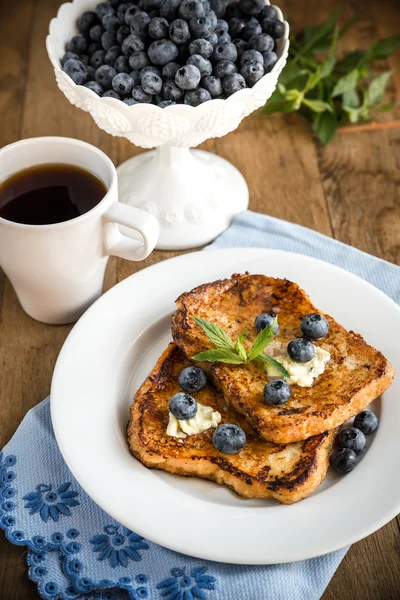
{"type": "Point", "coordinates": [262, 469]}
{"type": "Point", "coordinates": [354, 376]}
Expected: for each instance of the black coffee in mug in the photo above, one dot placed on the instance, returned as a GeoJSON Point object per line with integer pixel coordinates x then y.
{"type": "Point", "coordinates": [49, 193]}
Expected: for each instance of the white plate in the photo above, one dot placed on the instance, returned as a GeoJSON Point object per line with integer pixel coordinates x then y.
{"type": "Point", "coordinates": [113, 348]}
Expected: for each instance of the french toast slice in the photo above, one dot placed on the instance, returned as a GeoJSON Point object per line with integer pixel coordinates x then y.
{"type": "Point", "coordinates": [262, 469]}
{"type": "Point", "coordinates": [355, 375]}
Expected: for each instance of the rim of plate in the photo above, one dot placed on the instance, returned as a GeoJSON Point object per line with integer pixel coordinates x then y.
{"type": "Point", "coordinates": [200, 538]}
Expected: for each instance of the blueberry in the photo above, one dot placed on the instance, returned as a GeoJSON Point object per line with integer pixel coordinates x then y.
{"type": "Point", "coordinates": [273, 27]}
{"type": "Point", "coordinates": [121, 65]}
{"type": "Point", "coordinates": [352, 438]}
{"type": "Point", "coordinates": [343, 460]}
{"type": "Point", "coordinates": [203, 65]}
{"type": "Point", "coordinates": [171, 91]}
{"type": "Point", "coordinates": [191, 8]}
{"type": "Point", "coordinates": [213, 39]}
{"type": "Point", "coordinates": [86, 21]}
{"type": "Point", "coordinates": [84, 58]}
{"type": "Point", "coordinates": [314, 326]}
{"type": "Point", "coordinates": [251, 7]}
{"type": "Point", "coordinates": [158, 28]}
{"type": "Point", "coordinates": [241, 46]}
{"type": "Point", "coordinates": [229, 439]}
{"type": "Point", "coordinates": [150, 69]}
{"type": "Point", "coordinates": [188, 77]}
{"type": "Point", "coordinates": [103, 8]}
{"type": "Point", "coordinates": [122, 8]}
{"type": "Point", "coordinates": [265, 320]}
{"type": "Point", "coordinates": [236, 27]}
{"type": "Point", "coordinates": [67, 56]}
{"type": "Point", "coordinates": [262, 42]}
{"type": "Point", "coordinates": [130, 13]}
{"type": "Point", "coordinates": [162, 52]}
{"type": "Point", "coordinates": [151, 5]}
{"type": "Point", "coordinates": [95, 87]}
{"type": "Point", "coordinates": [111, 94]}
{"type": "Point", "coordinates": [77, 44]}
{"type": "Point", "coordinates": [183, 406]}
{"type": "Point", "coordinates": [192, 379]}
{"type": "Point", "coordinates": [200, 27]}
{"type": "Point", "coordinates": [233, 83]}
{"type": "Point", "coordinates": [111, 22]}
{"type": "Point", "coordinates": [270, 59]}
{"type": "Point", "coordinates": [225, 51]}
{"type": "Point", "coordinates": [170, 69]}
{"type": "Point", "coordinates": [250, 30]}
{"type": "Point", "coordinates": [108, 39]}
{"type": "Point", "coordinates": [251, 55]}
{"type": "Point", "coordinates": [268, 12]}
{"type": "Point", "coordinates": [301, 350]}
{"type": "Point", "coordinates": [130, 101]}
{"type": "Point", "coordinates": [252, 71]}
{"type": "Point", "coordinates": [165, 103]}
{"type": "Point", "coordinates": [122, 33]}
{"type": "Point", "coordinates": [277, 392]}
{"type": "Point", "coordinates": [196, 97]}
{"type": "Point", "coordinates": [202, 47]}
{"type": "Point", "coordinates": [210, 14]}
{"type": "Point", "coordinates": [140, 95]}
{"type": "Point", "coordinates": [224, 67]}
{"type": "Point", "coordinates": [135, 76]}
{"type": "Point", "coordinates": [123, 84]}
{"type": "Point", "coordinates": [90, 72]}
{"type": "Point", "coordinates": [169, 9]}
{"type": "Point", "coordinates": [213, 85]}
{"type": "Point", "coordinates": [97, 59]}
{"type": "Point", "coordinates": [232, 11]}
{"type": "Point", "coordinates": [76, 70]}
{"type": "Point", "coordinates": [222, 25]}
{"type": "Point", "coordinates": [366, 421]}
{"type": "Point", "coordinates": [140, 22]}
{"type": "Point", "coordinates": [133, 43]}
{"type": "Point", "coordinates": [105, 75]}
{"type": "Point", "coordinates": [96, 32]}
{"type": "Point", "coordinates": [151, 83]}
{"type": "Point", "coordinates": [93, 47]}
{"type": "Point", "coordinates": [112, 55]}
{"type": "Point", "coordinates": [179, 31]}
{"type": "Point", "coordinates": [219, 7]}
{"type": "Point", "coordinates": [138, 60]}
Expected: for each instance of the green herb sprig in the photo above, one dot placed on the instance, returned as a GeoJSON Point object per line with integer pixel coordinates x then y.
{"type": "Point", "coordinates": [235, 353]}
{"type": "Point", "coordinates": [333, 91]}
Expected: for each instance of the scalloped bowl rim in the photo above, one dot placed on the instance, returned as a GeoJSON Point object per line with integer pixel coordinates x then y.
{"type": "Point", "coordinates": [178, 107]}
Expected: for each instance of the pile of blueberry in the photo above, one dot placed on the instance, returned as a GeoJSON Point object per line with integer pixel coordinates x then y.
{"type": "Point", "coordinates": [173, 51]}
{"type": "Point", "coordinates": [352, 442]}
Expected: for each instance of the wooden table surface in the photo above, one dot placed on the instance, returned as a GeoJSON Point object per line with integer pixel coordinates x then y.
{"type": "Point", "coordinates": [349, 190]}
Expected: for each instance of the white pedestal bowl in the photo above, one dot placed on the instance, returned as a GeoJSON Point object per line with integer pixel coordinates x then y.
{"type": "Point", "coordinates": [194, 194]}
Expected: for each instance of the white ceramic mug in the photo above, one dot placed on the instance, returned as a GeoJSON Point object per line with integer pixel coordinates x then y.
{"type": "Point", "coordinates": [58, 270]}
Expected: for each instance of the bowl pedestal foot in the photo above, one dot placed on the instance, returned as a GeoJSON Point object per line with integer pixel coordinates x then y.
{"type": "Point", "coordinates": [194, 194]}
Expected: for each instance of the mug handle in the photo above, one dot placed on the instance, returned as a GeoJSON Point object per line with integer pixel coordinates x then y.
{"type": "Point", "coordinates": [117, 244]}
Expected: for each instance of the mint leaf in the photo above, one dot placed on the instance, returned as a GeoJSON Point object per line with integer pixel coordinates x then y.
{"type": "Point", "coordinates": [317, 106]}
{"type": "Point", "coordinates": [240, 349]}
{"type": "Point", "coordinates": [377, 87]}
{"type": "Point", "coordinates": [219, 355]}
{"type": "Point", "coordinates": [313, 35]}
{"type": "Point", "coordinates": [274, 363]}
{"type": "Point", "coordinates": [386, 107]}
{"type": "Point", "coordinates": [262, 340]}
{"type": "Point", "coordinates": [350, 61]}
{"type": "Point", "coordinates": [382, 49]}
{"type": "Point", "coordinates": [346, 83]}
{"type": "Point", "coordinates": [217, 335]}
{"type": "Point", "coordinates": [351, 99]}
{"type": "Point", "coordinates": [327, 67]}
{"type": "Point", "coordinates": [325, 126]}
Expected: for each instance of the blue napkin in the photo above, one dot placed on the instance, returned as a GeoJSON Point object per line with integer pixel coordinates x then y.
{"type": "Point", "coordinates": [76, 551]}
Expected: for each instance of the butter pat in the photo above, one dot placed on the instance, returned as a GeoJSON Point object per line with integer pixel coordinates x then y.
{"type": "Point", "coordinates": [302, 374]}
{"type": "Point", "coordinates": [206, 418]}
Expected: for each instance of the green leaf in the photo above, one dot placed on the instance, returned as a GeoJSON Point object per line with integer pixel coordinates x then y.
{"type": "Point", "coordinates": [351, 99]}
{"type": "Point", "coordinates": [350, 61]}
{"type": "Point", "coordinates": [382, 49]}
{"type": "Point", "coordinates": [349, 24]}
{"type": "Point", "coordinates": [219, 355]}
{"type": "Point", "coordinates": [325, 126]}
{"type": "Point", "coordinates": [240, 349]}
{"type": "Point", "coordinates": [377, 87]}
{"type": "Point", "coordinates": [386, 107]}
{"type": "Point", "coordinates": [262, 340]}
{"type": "Point", "coordinates": [290, 73]}
{"type": "Point", "coordinates": [346, 83]}
{"type": "Point", "coordinates": [274, 363]}
{"type": "Point", "coordinates": [327, 66]}
{"type": "Point", "coordinates": [278, 107]}
{"type": "Point", "coordinates": [317, 106]}
{"type": "Point", "coordinates": [314, 35]}
{"type": "Point", "coordinates": [217, 335]}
